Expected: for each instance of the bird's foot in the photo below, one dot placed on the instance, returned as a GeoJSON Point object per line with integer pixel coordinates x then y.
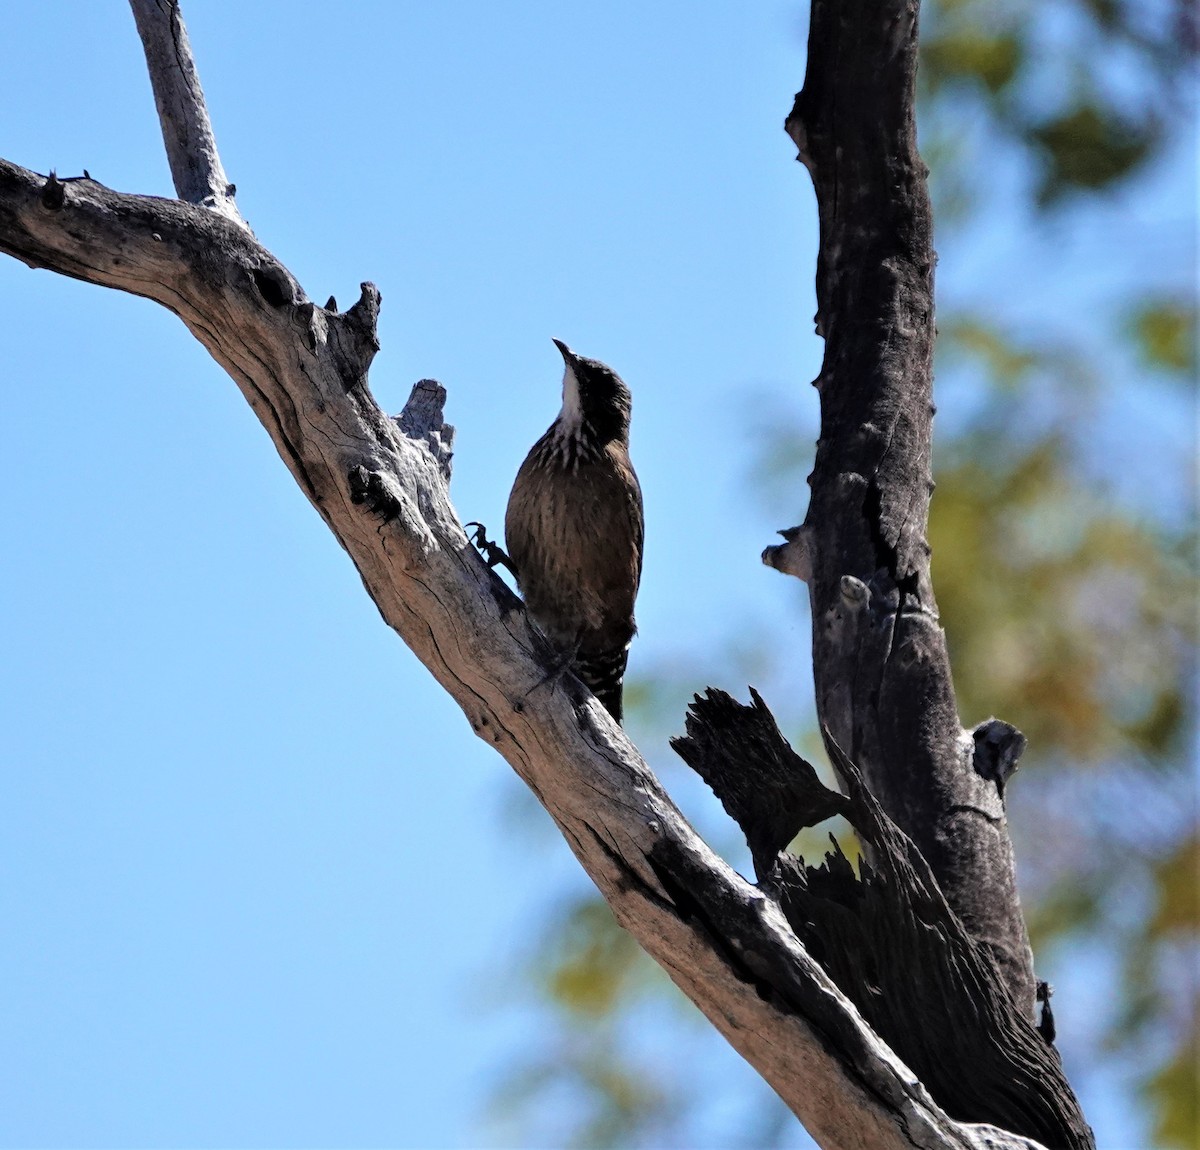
{"type": "Point", "coordinates": [493, 554]}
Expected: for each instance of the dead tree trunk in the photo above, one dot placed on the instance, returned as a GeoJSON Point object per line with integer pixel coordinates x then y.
{"type": "Point", "coordinates": [381, 486]}
{"type": "Point", "coordinates": [884, 689]}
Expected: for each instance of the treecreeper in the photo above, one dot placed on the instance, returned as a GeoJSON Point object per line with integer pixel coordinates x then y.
{"type": "Point", "coordinates": [574, 528]}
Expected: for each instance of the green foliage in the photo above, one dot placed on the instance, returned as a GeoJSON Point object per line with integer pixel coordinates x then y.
{"type": "Point", "coordinates": [1075, 618]}
{"type": "Point", "coordinates": [1090, 147]}
{"type": "Point", "coordinates": [592, 964]}
{"type": "Point", "coordinates": [1178, 907]}
{"type": "Point", "coordinates": [972, 55]}
{"type": "Point", "coordinates": [1046, 80]}
{"type": "Point", "coordinates": [1041, 577]}
{"type": "Point", "coordinates": [588, 973]}
{"type": "Point", "coordinates": [1164, 332]}
{"type": "Point", "coordinates": [1173, 1088]}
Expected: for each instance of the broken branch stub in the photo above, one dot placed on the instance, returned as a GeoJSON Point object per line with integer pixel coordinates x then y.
{"type": "Point", "coordinates": [886, 936]}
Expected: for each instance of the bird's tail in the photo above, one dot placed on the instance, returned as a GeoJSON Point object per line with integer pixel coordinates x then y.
{"type": "Point", "coordinates": [604, 673]}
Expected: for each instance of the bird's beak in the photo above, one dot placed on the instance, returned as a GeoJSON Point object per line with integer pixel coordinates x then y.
{"type": "Point", "coordinates": [567, 354]}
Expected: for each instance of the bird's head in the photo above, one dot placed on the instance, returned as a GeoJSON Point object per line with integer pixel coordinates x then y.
{"type": "Point", "coordinates": [595, 398]}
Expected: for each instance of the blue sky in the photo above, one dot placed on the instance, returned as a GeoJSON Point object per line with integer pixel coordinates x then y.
{"type": "Point", "coordinates": [257, 879]}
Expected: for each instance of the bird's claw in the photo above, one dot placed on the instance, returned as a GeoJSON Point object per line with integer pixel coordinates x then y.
{"type": "Point", "coordinates": [493, 554]}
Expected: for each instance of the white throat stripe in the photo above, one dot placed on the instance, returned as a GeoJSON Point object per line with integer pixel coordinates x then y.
{"type": "Point", "coordinates": [572, 405]}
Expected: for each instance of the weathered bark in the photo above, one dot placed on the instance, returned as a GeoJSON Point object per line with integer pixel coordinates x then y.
{"type": "Point", "coordinates": [380, 485]}
{"type": "Point", "coordinates": [196, 168]}
{"type": "Point", "coordinates": [882, 671]}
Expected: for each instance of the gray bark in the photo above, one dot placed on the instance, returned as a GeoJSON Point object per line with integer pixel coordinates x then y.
{"type": "Point", "coordinates": [380, 484]}
{"type": "Point", "coordinates": [187, 132]}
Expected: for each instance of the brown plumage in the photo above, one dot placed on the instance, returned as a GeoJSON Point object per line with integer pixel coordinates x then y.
{"type": "Point", "coordinates": [574, 527]}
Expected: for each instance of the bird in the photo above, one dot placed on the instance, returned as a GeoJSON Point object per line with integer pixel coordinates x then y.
{"type": "Point", "coordinates": [574, 528]}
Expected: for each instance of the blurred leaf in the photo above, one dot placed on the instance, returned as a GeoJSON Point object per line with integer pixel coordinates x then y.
{"type": "Point", "coordinates": [1069, 906]}
{"type": "Point", "coordinates": [1107, 12]}
{"type": "Point", "coordinates": [1164, 331]}
{"type": "Point", "coordinates": [1040, 579]}
{"type": "Point", "coordinates": [1174, 1091]}
{"type": "Point", "coordinates": [972, 54]}
{"type": "Point", "coordinates": [1007, 364]}
{"type": "Point", "coordinates": [1178, 881]}
{"type": "Point", "coordinates": [1160, 723]}
{"type": "Point", "coordinates": [952, 183]}
{"type": "Point", "coordinates": [1090, 148]}
{"type": "Point", "coordinates": [580, 1093]}
{"type": "Point", "coordinates": [1022, 638]}
{"type": "Point", "coordinates": [624, 1103]}
{"type": "Point", "coordinates": [591, 963]}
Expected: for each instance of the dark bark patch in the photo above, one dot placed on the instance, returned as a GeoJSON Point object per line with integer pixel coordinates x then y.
{"type": "Point", "coordinates": [54, 193]}
{"type": "Point", "coordinates": [766, 788]}
{"type": "Point", "coordinates": [273, 286]}
{"type": "Point", "coordinates": [885, 935]}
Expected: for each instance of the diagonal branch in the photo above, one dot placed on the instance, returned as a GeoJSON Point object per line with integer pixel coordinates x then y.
{"type": "Point", "coordinates": [885, 935]}
{"type": "Point", "coordinates": [380, 484]}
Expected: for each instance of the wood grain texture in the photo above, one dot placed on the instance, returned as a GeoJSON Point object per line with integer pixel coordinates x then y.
{"type": "Point", "coordinates": [380, 485]}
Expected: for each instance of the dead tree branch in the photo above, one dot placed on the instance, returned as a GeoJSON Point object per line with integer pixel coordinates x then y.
{"type": "Point", "coordinates": [187, 133]}
{"type": "Point", "coordinates": [381, 486]}
{"type": "Point", "coordinates": [885, 935]}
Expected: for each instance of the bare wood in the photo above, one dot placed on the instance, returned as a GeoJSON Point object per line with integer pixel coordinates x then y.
{"type": "Point", "coordinates": [187, 133]}
{"type": "Point", "coordinates": [381, 486]}
{"type": "Point", "coordinates": [882, 671]}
